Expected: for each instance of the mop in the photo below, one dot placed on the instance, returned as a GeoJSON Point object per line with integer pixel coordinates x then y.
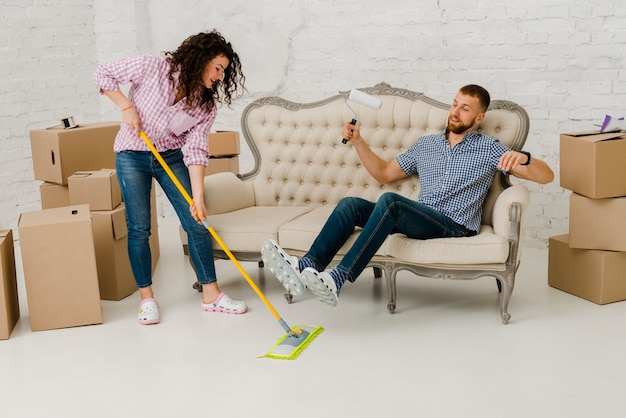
{"type": "Point", "coordinates": [364, 99]}
{"type": "Point", "coordinates": [297, 338]}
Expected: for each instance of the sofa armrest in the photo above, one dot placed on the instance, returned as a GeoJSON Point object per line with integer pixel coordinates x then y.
{"type": "Point", "coordinates": [502, 208]}
{"type": "Point", "coordinates": [225, 192]}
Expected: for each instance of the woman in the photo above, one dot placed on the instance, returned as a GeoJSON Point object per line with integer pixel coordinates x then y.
{"type": "Point", "coordinates": [173, 98]}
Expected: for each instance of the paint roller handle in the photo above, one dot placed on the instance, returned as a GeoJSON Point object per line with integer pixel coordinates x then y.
{"type": "Point", "coordinates": [344, 140]}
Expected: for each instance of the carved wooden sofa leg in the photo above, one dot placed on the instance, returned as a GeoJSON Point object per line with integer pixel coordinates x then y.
{"type": "Point", "coordinates": [506, 281]}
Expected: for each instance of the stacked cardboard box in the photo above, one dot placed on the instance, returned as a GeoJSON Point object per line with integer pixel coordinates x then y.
{"type": "Point", "coordinates": [54, 195]}
{"type": "Point", "coordinates": [99, 189]}
{"type": "Point", "coordinates": [77, 167]}
{"type": "Point", "coordinates": [58, 153]}
{"type": "Point", "coordinates": [9, 303]}
{"type": "Point", "coordinates": [224, 152]}
{"type": "Point", "coordinates": [590, 261]}
{"type": "Point", "coordinates": [59, 265]}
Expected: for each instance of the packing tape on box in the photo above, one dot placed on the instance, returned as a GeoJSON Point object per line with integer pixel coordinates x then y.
{"type": "Point", "coordinates": [68, 123]}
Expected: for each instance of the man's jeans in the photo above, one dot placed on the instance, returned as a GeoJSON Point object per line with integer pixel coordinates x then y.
{"type": "Point", "coordinates": [135, 170]}
{"type": "Point", "coordinates": [392, 213]}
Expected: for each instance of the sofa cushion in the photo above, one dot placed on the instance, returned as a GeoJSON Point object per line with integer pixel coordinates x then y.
{"type": "Point", "coordinates": [246, 229]}
{"type": "Point", "coordinates": [484, 248]}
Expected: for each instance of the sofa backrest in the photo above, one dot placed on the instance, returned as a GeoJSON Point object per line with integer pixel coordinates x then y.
{"type": "Point", "coordinates": [300, 159]}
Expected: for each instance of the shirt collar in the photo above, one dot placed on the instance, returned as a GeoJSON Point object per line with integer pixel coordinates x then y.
{"type": "Point", "coordinates": [470, 136]}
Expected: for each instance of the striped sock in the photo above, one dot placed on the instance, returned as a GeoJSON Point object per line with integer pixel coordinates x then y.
{"type": "Point", "coordinates": [306, 262]}
{"type": "Point", "coordinates": [340, 277]}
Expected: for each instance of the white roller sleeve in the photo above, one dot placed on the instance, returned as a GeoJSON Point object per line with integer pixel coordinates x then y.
{"type": "Point", "coordinates": [365, 99]}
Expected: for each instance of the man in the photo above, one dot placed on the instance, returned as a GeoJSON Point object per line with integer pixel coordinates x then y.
{"type": "Point", "coordinates": [456, 168]}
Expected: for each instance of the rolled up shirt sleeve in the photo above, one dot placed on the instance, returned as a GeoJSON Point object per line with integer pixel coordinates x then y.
{"type": "Point", "coordinates": [196, 151]}
{"type": "Point", "coordinates": [110, 76]}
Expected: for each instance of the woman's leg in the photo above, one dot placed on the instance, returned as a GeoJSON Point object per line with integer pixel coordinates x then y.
{"type": "Point", "coordinates": [199, 239]}
{"type": "Point", "coordinates": [135, 178]}
{"type": "Point", "coordinates": [200, 242]}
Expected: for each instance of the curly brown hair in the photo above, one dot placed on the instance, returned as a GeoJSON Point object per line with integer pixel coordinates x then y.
{"type": "Point", "coordinates": [191, 58]}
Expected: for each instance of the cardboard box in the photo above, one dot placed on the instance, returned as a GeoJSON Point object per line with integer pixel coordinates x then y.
{"type": "Point", "coordinates": [597, 224]}
{"type": "Point", "coordinates": [593, 165]}
{"type": "Point", "coordinates": [221, 164]}
{"type": "Point", "coordinates": [9, 303]}
{"type": "Point", "coordinates": [224, 143]}
{"type": "Point", "coordinates": [594, 275]}
{"type": "Point", "coordinates": [54, 195]}
{"type": "Point", "coordinates": [99, 189]}
{"type": "Point", "coordinates": [110, 234]}
{"type": "Point", "coordinates": [58, 153]}
{"type": "Point", "coordinates": [60, 271]}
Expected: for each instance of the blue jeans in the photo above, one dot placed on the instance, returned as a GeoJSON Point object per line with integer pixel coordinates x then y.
{"type": "Point", "coordinates": [392, 213]}
{"type": "Point", "coordinates": [135, 171]}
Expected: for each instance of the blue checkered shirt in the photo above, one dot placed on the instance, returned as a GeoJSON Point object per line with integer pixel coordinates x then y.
{"type": "Point", "coordinates": [456, 180]}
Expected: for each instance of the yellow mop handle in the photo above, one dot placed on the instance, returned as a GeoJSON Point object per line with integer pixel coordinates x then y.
{"type": "Point", "coordinates": [210, 228]}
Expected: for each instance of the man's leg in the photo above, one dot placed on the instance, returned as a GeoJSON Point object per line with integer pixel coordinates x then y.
{"type": "Point", "coordinates": [349, 213]}
{"type": "Point", "coordinates": [392, 213]}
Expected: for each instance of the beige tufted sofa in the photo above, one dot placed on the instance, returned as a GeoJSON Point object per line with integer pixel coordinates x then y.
{"type": "Point", "coordinates": [302, 169]}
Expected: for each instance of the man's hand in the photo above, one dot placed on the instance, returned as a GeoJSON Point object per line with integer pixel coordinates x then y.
{"type": "Point", "coordinates": [351, 132]}
{"type": "Point", "coordinates": [537, 171]}
{"type": "Point", "coordinates": [510, 160]}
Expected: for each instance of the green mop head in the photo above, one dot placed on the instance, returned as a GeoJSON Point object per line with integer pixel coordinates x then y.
{"type": "Point", "coordinates": [291, 344]}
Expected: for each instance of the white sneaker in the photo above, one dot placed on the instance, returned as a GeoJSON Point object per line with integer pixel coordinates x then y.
{"type": "Point", "coordinates": [321, 284]}
{"type": "Point", "coordinates": [149, 312]}
{"type": "Point", "coordinates": [283, 266]}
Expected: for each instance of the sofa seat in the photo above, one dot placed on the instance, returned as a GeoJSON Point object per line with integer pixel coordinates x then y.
{"type": "Point", "coordinates": [484, 248]}
{"type": "Point", "coordinates": [247, 229]}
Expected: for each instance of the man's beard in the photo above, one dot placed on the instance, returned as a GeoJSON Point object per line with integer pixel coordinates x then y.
{"type": "Point", "coordinates": [459, 129]}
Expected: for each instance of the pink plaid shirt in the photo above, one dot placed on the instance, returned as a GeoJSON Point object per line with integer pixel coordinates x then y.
{"type": "Point", "coordinates": [169, 126]}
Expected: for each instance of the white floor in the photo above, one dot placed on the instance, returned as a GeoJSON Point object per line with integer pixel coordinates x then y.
{"type": "Point", "coordinates": [444, 353]}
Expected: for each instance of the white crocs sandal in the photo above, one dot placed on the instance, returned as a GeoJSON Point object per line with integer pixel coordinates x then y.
{"type": "Point", "coordinates": [321, 284]}
{"type": "Point", "coordinates": [283, 266]}
{"type": "Point", "coordinates": [224, 304]}
{"type": "Point", "coordinates": [149, 312]}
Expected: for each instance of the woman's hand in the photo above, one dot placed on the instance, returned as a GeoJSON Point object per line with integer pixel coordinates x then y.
{"type": "Point", "coordinates": [198, 211]}
{"type": "Point", "coordinates": [130, 117]}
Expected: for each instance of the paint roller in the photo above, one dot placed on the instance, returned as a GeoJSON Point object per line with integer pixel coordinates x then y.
{"type": "Point", "coordinates": [363, 99]}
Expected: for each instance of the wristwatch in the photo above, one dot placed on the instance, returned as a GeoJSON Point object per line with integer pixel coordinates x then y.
{"type": "Point", "coordinates": [526, 153]}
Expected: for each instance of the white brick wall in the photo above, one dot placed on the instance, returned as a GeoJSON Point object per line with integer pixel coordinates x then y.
{"type": "Point", "coordinates": [45, 58]}
{"type": "Point", "coordinates": [563, 61]}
